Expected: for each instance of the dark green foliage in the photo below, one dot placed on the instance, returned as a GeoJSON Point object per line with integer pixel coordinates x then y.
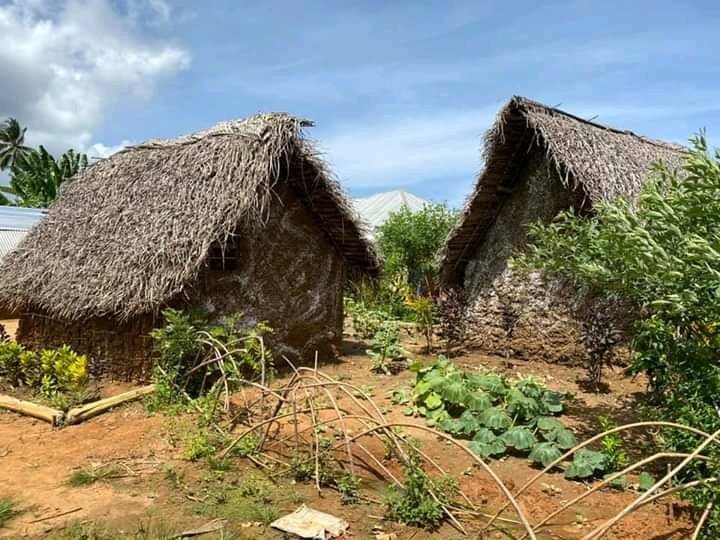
{"type": "Point", "coordinates": [385, 348]}
{"type": "Point", "coordinates": [586, 464]}
{"type": "Point", "coordinates": [613, 446]}
{"type": "Point", "coordinates": [499, 414]}
{"type": "Point", "coordinates": [36, 176]}
{"type": "Point", "coordinates": [191, 366]}
{"type": "Point", "coordinates": [662, 258]}
{"type": "Point", "coordinates": [415, 504]}
{"type": "Point", "coordinates": [409, 240]}
{"type": "Point", "coordinates": [12, 144]}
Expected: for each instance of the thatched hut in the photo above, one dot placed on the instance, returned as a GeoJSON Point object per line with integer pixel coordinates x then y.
{"type": "Point", "coordinates": [242, 217]}
{"type": "Point", "coordinates": [538, 160]}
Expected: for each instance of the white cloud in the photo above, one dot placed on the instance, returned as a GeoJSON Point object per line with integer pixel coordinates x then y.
{"type": "Point", "coordinates": [66, 64]}
{"type": "Point", "coordinates": [408, 150]}
{"type": "Point", "coordinates": [99, 150]}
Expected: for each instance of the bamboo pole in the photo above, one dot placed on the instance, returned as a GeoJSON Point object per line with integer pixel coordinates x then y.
{"type": "Point", "coordinates": [54, 416]}
{"type": "Point", "coordinates": [84, 412]}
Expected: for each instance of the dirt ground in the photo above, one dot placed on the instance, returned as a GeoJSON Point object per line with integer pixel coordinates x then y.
{"type": "Point", "coordinates": [155, 492]}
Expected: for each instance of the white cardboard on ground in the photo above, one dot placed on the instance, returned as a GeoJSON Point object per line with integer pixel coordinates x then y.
{"type": "Point", "coordinates": [308, 523]}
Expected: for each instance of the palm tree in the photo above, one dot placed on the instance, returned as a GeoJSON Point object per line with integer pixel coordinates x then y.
{"type": "Point", "coordinates": [12, 147]}
{"type": "Point", "coordinates": [36, 177]}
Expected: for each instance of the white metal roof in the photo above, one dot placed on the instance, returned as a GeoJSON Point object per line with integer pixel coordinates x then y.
{"type": "Point", "coordinates": [14, 225]}
{"type": "Point", "coordinates": [377, 208]}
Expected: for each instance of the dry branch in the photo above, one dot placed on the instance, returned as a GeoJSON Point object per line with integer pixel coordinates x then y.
{"type": "Point", "coordinates": [54, 416]}
{"type": "Point", "coordinates": [89, 410]}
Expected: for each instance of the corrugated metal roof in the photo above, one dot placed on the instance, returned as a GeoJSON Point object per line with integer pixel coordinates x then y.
{"type": "Point", "coordinates": [14, 225]}
{"type": "Point", "coordinates": [377, 208]}
{"type": "Point", "coordinates": [9, 239]}
{"type": "Point", "coordinates": [13, 217]}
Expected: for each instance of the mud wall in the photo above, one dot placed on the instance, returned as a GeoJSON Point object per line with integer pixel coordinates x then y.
{"type": "Point", "coordinates": [115, 350]}
{"type": "Point", "coordinates": [510, 313]}
{"type": "Point", "coordinates": [288, 274]}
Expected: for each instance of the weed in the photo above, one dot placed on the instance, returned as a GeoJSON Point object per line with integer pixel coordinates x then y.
{"type": "Point", "coordinates": [349, 487]}
{"type": "Point", "coordinates": [199, 446]}
{"type": "Point", "coordinates": [385, 348]}
{"type": "Point", "coordinates": [415, 504]}
{"type": "Point", "coordinates": [253, 500]}
{"type": "Point", "coordinates": [88, 476]}
{"type": "Point", "coordinates": [173, 476]}
{"type": "Point", "coordinates": [8, 510]}
{"type": "Point", "coordinates": [612, 446]}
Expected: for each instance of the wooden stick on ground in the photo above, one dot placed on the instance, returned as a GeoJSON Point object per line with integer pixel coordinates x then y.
{"type": "Point", "coordinates": [84, 412]}
{"type": "Point", "coordinates": [54, 416]}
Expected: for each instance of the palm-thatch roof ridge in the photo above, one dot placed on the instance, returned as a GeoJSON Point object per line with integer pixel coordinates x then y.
{"type": "Point", "coordinates": [130, 232]}
{"type": "Point", "coordinates": [600, 161]}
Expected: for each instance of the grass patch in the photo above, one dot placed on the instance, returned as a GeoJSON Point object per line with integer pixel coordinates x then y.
{"type": "Point", "coordinates": [250, 499]}
{"type": "Point", "coordinates": [83, 530]}
{"type": "Point", "coordinates": [90, 475]}
{"type": "Point", "coordinates": [8, 510]}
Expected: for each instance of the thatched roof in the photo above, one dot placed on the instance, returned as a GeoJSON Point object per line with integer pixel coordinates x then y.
{"type": "Point", "coordinates": [602, 162]}
{"type": "Point", "coordinates": [130, 232]}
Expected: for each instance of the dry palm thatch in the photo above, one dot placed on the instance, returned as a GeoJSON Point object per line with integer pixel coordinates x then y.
{"type": "Point", "coordinates": [600, 162]}
{"type": "Point", "coordinates": [132, 231]}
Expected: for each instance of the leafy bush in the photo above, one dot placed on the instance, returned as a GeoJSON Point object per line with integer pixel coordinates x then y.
{"type": "Point", "coordinates": [497, 414]}
{"type": "Point", "coordinates": [52, 371]}
{"type": "Point", "coordinates": [613, 446]}
{"type": "Point", "coordinates": [366, 322]}
{"type": "Point", "coordinates": [415, 504]}
{"type": "Point", "coordinates": [385, 348]}
{"type": "Point", "coordinates": [423, 311]}
{"type": "Point", "coordinates": [198, 357]}
{"type": "Point", "coordinates": [662, 256]}
{"type": "Point", "coordinates": [409, 240]}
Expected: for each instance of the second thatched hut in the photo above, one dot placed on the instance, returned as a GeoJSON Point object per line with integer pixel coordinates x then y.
{"type": "Point", "coordinates": [242, 217]}
{"type": "Point", "coordinates": [538, 161]}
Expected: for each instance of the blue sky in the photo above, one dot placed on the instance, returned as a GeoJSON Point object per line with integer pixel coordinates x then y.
{"type": "Point", "coordinates": [401, 92]}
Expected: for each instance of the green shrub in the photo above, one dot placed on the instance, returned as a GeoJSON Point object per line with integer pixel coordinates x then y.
{"type": "Point", "coordinates": [52, 371]}
{"type": "Point", "coordinates": [409, 240]}
{"type": "Point", "coordinates": [196, 354]}
{"type": "Point", "coordinates": [385, 348]}
{"type": "Point", "coordinates": [661, 256]}
{"type": "Point", "coordinates": [414, 504]}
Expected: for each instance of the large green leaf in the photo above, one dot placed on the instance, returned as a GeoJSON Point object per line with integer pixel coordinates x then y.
{"type": "Point", "coordinates": [496, 447]}
{"type": "Point", "coordinates": [549, 423]}
{"type": "Point", "coordinates": [478, 401]}
{"type": "Point", "coordinates": [545, 453]}
{"type": "Point", "coordinates": [521, 405]}
{"type": "Point", "coordinates": [454, 391]}
{"type": "Point", "coordinates": [454, 426]}
{"type": "Point", "coordinates": [472, 422]}
{"type": "Point", "coordinates": [493, 383]}
{"type": "Point", "coordinates": [436, 416]}
{"type": "Point", "coordinates": [435, 379]}
{"type": "Point", "coordinates": [433, 401]}
{"type": "Point", "coordinates": [530, 387]}
{"type": "Point", "coordinates": [586, 464]}
{"type": "Point", "coordinates": [553, 401]}
{"type": "Point", "coordinates": [519, 438]}
{"type": "Point", "coordinates": [565, 439]}
{"type": "Point", "coordinates": [485, 436]}
{"type": "Point", "coordinates": [495, 419]}
{"type": "Point", "coordinates": [645, 481]}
